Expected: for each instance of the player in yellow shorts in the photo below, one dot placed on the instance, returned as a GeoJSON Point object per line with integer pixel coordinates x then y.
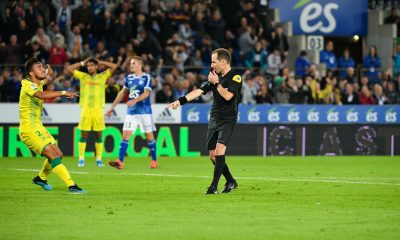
{"type": "Point", "coordinates": [31, 129]}
{"type": "Point", "coordinates": [92, 101]}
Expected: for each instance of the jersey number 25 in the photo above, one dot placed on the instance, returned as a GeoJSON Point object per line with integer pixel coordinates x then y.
{"type": "Point", "coordinates": [134, 93]}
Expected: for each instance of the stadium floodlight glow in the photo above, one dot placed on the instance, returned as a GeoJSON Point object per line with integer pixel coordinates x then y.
{"type": "Point", "coordinates": [356, 38]}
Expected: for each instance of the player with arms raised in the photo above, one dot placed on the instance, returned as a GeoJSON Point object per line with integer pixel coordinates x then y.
{"type": "Point", "coordinates": [226, 86]}
{"type": "Point", "coordinates": [92, 101]}
{"type": "Point", "coordinates": [31, 130]}
{"type": "Point", "coordinates": [138, 85]}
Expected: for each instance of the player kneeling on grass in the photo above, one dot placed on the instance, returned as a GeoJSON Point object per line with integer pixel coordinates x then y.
{"type": "Point", "coordinates": [138, 84]}
{"type": "Point", "coordinates": [226, 86]}
{"type": "Point", "coordinates": [31, 130]}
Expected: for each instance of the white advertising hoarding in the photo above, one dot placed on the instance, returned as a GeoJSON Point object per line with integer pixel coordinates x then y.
{"type": "Point", "coordinates": [70, 113]}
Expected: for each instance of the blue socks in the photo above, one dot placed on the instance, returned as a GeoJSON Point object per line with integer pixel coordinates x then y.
{"type": "Point", "coordinates": [122, 150]}
{"type": "Point", "coordinates": [124, 146]}
{"type": "Point", "coordinates": [152, 147]}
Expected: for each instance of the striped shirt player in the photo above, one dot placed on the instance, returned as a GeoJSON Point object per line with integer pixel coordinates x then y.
{"type": "Point", "coordinates": [138, 86]}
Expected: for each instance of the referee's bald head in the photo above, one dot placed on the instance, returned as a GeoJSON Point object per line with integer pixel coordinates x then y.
{"type": "Point", "coordinates": [223, 54]}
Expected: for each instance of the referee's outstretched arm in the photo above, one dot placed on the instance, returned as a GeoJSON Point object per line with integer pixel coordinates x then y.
{"type": "Point", "coordinates": [189, 97]}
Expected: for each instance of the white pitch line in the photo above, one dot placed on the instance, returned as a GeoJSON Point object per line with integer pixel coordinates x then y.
{"type": "Point", "coordinates": [301, 179]}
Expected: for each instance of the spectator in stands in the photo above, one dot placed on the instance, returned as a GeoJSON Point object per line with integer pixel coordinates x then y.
{"type": "Point", "coordinates": [13, 52]}
{"type": "Point", "coordinates": [4, 78]}
{"type": "Point", "coordinates": [351, 75]}
{"type": "Point", "coordinates": [100, 52]}
{"type": "Point", "coordinates": [247, 41]}
{"type": "Point", "coordinates": [249, 90]}
{"type": "Point", "coordinates": [75, 43]}
{"type": "Point", "coordinates": [180, 56]}
{"type": "Point", "coordinates": [328, 57]}
{"type": "Point", "coordinates": [165, 94]}
{"type": "Point", "coordinates": [372, 63]}
{"type": "Point", "coordinates": [274, 63]}
{"type": "Point", "coordinates": [53, 31]}
{"type": "Point", "coordinates": [366, 97]}
{"type": "Point", "coordinates": [112, 90]}
{"type": "Point", "coordinates": [35, 50]}
{"type": "Point", "coordinates": [42, 38]}
{"type": "Point", "coordinates": [379, 95]}
{"type": "Point", "coordinates": [257, 58]}
{"type": "Point", "coordinates": [57, 55]}
{"type": "Point", "coordinates": [23, 33]}
{"type": "Point", "coordinates": [345, 62]}
{"type": "Point", "coordinates": [148, 45]}
{"type": "Point", "coordinates": [393, 18]}
{"type": "Point", "coordinates": [84, 17]}
{"type": "Point", "coordinates": [302, 64]}
{"type": "Point", "coordinates": [263, 95]}
{"type": "Point", "coordinates": [349, 96]}
{"type": "Point", "coordinates": [335, 95]}
{"type": "Point", "coordinates": [64, 12]}
{"type": "Point", "coordinates": [392, 95]}
{"type": "Point", "coordinates": [364, 82]}
{"type": "Point", "coordinates": [396, 61]}
{"type": "Point", "coordinates": [296, 96]}
{"type": "Point", "coordinates": [279, 41]}
{"type": "Point", "coordinates": [181, 89]}
{"type": "Point", "coordinates": [217, 28]}
{"type": "Point", "coordinates": [123, 29]}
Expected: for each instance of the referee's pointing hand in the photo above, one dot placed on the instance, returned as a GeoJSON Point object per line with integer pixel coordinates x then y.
{"type": "Point", "coordinates": [174, 105]}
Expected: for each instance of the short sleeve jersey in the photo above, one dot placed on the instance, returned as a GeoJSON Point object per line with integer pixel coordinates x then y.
{"type": "Point", "coordinates": [30, 107]}
{"type": "Point", "coordinates": [136, 86]}
{"type": "Point", "coordinates": [222, 108]}
{"type": "Point", "coordinates": [92, 88]}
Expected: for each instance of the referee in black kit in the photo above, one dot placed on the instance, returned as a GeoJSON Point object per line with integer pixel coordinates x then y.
{"type": "Point", "coordinates": [226, 86]}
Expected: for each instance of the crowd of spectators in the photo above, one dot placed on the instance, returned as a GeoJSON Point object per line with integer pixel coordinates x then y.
{"type": "Point", "coordinates": [176, 39]}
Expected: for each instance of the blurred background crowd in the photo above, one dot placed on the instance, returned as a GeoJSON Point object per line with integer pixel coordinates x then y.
{"type": "Point", "coordinates": [176, 38]}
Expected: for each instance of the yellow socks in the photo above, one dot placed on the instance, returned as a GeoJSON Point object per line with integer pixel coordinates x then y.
{"type": "Point", "coordinates": [61, 171]}
{"type": "Point", "coordinates": [46, 170]}
{"type": "Point", "coordinates": [99, 149]}
{"type": "Point", "coordinates": [82, 148]}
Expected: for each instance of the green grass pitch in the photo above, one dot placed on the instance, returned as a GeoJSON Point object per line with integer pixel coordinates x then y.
{"type": "Point", "coordinates": [277, 198]}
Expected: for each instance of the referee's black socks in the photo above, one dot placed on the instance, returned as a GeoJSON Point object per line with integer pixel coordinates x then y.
{"type": "Point", "coordinates": [219, 168]}
{"type": "Point", "coordinates": [227, 174]}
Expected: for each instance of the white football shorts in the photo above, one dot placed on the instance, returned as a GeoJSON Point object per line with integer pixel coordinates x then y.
{"type": "Point", "coordinates": [144, 121]}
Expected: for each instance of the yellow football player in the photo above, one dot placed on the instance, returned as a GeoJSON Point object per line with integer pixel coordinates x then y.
{"type": "Point", "coordinates": [31, 130]}
{"type": "Point", "coordinates": [92, 101]}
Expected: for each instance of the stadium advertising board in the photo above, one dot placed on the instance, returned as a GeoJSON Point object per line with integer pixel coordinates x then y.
{"type": "Point", "coordinates": [324, 17]}
{"type": "Point", "coordinates": [70, 113]}
{"type": "Point", "coordinates": [301, 114]}
{"type": "Point", "coordinates": [247, 140]}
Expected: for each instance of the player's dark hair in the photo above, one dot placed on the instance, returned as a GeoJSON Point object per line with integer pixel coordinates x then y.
{"type": "Point", "coordinates": [223, 54]}
{"type": "Point", "coordinates": [92, 60]}
{"type": "Point", "coordinates": [29, 65]}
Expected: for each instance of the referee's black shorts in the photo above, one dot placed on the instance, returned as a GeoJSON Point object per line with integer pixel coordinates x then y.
{"type": "Point", "coordinates": [219, 131]}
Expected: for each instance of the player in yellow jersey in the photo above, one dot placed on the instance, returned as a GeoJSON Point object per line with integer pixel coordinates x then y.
{"type": "Point", "coordinates": [92, 101]}
{"type": "Point", "coordinates": [31, 130]}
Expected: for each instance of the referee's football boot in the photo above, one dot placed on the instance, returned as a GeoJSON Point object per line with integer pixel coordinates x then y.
{"type": "Point", "coordinates": [211, 190]}
{"type": "Point", "coordinates": [117, 164]}
{"type": "Point", "coordinates": [74, 189]}
{"type": "Point", "coordinates": [229, 186]}
{"type": "Point", "coordinates": [43, 183]}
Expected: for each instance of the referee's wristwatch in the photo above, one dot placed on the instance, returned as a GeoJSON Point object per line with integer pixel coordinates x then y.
{"type": "Point", "coordinates": [216, 84]}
